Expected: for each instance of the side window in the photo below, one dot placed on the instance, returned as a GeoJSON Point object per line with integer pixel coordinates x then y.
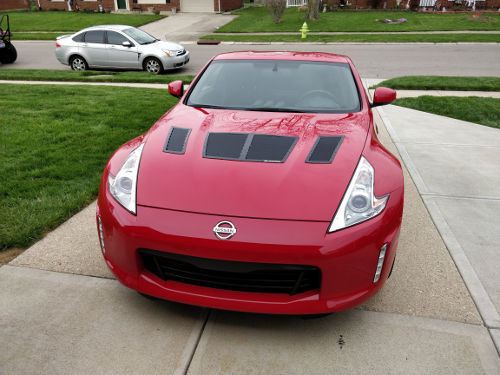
{"type": "Point", "coordinates": [96, 36]}
{"type": "Point", "coordinates": [116, 38]}
{"type": "Point", "coordinates": [79, 38]}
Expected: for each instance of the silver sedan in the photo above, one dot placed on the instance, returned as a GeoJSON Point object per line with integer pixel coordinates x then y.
{"type": "Point", "coordinates": [119, 46]}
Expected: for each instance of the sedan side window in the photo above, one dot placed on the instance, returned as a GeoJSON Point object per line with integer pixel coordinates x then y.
{"type": "Point", "coordinates": [116, 38]}
{"type": "Point", "coordinates": [79, 38]}
{"type": "Point", "coordinates": [94, 36]}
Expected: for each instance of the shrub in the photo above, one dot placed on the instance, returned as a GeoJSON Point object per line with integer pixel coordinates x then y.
{"type": "Point", "coordinates": [276, 8]}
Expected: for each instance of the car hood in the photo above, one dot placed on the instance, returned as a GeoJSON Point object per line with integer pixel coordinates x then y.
{"type": "Point", "coordinates": [292, 190]}
{"type": "Point", "coordinates": [165, 44]}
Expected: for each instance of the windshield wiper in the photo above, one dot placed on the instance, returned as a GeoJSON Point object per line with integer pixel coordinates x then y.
{"type": "Point", "coordinates": [207, 106]}
{"type": "Point", "coordinates": [274, 109]}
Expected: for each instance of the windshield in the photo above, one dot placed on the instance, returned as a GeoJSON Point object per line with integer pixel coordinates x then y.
{"type": "Point", "coordinates": [277, 86]}
{"type": "Point", "coordinates": [139, 36]}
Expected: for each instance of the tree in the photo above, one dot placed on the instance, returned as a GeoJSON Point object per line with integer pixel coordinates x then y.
{"type": "Point", "coordinates": [313, 10]}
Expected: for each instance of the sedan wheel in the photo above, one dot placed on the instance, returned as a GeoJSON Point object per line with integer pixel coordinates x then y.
{"type": "Point", "coordinates": [78, 63]}
{"type": "Point", "coordinates": [153, 65]}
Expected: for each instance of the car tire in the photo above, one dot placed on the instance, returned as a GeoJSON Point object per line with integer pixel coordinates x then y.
{"type": "Point", "coordinates": [9, 53]}
{"type": "Point", "coordinates": [153, 65]}
{"type": "Point", "coordinates": [78, 63]}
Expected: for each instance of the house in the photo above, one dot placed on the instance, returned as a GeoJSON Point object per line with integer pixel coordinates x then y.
{"type": "Point", "coordinates": [14, 4]}
{"type": "Point", "coordinates": [144, 5]}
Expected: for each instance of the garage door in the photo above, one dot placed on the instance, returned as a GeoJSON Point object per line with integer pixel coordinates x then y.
{"type": "Point", "coordinates": [197, 5]}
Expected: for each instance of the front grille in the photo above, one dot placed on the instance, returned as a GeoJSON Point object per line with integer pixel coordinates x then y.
{"type": "Point", "coordinates": [288, 279]}
{"type": "Point", "coordinates": [182, 52]}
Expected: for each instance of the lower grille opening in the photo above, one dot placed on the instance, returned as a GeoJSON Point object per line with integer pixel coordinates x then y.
{"type": "Point", "coordinates": [288, 279]}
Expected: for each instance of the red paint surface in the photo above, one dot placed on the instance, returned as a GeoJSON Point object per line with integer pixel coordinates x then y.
{"type": "Point", "coordinates": [282, 211]}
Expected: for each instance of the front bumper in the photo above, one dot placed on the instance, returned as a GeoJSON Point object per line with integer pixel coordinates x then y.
{"type": "Point", "coordinates": [347, 258]}
{"type": "Point", "coordinates": [174, 62]}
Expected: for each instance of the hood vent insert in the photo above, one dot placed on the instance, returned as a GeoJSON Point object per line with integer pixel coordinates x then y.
{"type": "Point", "coordinates": [249, 147]}
{"type": "Point", "coordinates": [324, 149]}
{"type": "Point", "coordinates": [176, 140]}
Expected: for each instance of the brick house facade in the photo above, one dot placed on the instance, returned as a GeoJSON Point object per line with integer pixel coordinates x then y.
{"type": "Point", "coordinates": [14, 4]}
{"type": "Point", "coordinates": [144, 5]}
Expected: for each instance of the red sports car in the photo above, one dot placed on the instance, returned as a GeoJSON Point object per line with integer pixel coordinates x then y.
{"type": "Point", "coordinates": [265, 189]}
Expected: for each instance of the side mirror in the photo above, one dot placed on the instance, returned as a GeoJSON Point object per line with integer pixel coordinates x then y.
{"type": "Point", "coordinates": [176, 88]}
{"type": "Point", "coordinates": [127, 44]}
{"type": "Point", "coordinates": [382, 96]}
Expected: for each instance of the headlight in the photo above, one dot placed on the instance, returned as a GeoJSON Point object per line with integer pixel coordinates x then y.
{"type": "Point", "coordinates": [123, 187]}
{"type": "Point", "coordinates": [169, 52]}
{"type": "Point", "coordinates": [359, 202]}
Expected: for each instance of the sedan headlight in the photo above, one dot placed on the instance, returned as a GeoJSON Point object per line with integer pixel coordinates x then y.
{"type": "Point", "coordinates": [359, 202]}
{"type": "Point", "coordinates": [123, 187]}
{"type": "Point", "coordinates": [169, 52]}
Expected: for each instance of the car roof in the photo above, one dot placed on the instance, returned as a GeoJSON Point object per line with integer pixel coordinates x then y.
{"type": "Point", "coordinates": [283, 55]}
{"type": "Point", "coordinates": [107, 27]}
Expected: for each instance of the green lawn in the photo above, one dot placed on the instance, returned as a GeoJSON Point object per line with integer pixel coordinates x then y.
{"type": "Point", "coordinates": [54, 144]}
{"type": "Point", "coordinates": [36, 36]}
{"type": "Point", "coordinates": [443, 83]}
{"type": "Point", "coordinates": [255, 19]}
{"type": "Point", "coordinates": [382, 38]}
{"type": "Point", "coordinates": [71, 21]}
{"type": "Point", "coordinates": [485, 111]}
{"type": "Point", "coordinates": [89, 76]}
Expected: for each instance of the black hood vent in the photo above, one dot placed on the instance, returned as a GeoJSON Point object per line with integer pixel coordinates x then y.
{"type": "Point", "coordinates": [324, 149]}
{"type": "Point", "coordinates": [248, 147]}
{"type": "Point", "coordinates": [176, 140]}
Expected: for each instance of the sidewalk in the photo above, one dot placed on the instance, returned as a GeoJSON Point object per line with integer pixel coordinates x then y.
{"type": "Point", "coordinates": [62, 312]}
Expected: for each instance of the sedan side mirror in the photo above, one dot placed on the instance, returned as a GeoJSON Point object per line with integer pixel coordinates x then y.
{"type": "Point", "coordinates": [127, 44]}
{"type": "Point", "coordinates": [176, 88]}
{"type": "Point", "coordinates": [382, 96]}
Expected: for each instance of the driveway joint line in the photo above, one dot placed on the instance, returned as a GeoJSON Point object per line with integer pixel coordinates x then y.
{"type": "Point", "coordinates": [447, 144]}
{"type": "Point", "coordinates": [465, 197]}
{"type": "Point", "coordinates": [185, 369]}
{"type": "Point", "coordinates": [65, 272]}
{"type": "Point", "coordinates": [412, 169]}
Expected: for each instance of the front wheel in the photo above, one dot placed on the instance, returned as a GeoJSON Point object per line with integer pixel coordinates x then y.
{"type": "Point", "coordinates": [78, 63]}
{"type": "Point", "coordinates": [153, 65]}
{"type": "Point", "coordinates": [8, 54]}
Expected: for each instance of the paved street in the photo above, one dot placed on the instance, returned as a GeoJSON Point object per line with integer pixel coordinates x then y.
{"type": "Point", "coordinates": [372, 60]}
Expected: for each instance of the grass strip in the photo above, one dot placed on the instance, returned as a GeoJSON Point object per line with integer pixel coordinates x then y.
{"type": "Point", "coordinates": [36, 36]}
{"type": "Point", "coordinates": [485, 111]}
{"type": "Point", "coordinates": [371, 38]}
{"type": "Point", "coordinates": [55, 141]}
{"type": "Point", "coordinates": [257, 19]}
{"type": "Point", "coordinates": [89, 76]}
{"type": "Point", "coordinates": [72, 21]}
{"type": "Point", "coordinates": [442, 83]}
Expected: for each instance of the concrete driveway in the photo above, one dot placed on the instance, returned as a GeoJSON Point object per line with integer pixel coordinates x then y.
{"type": "Point", "coordinates": [63, 312]}
{"type": "Point", "coordinates": [187, 26]}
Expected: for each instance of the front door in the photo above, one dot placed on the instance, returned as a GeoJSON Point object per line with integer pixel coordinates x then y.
{"type": "Point", "coordinates": [122, 4]}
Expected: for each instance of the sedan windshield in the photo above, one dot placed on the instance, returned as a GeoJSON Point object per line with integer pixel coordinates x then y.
{"type": "Point", "coordinates": [139, 36]}
{"type": "Point", "coordinates": [277, 86]}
